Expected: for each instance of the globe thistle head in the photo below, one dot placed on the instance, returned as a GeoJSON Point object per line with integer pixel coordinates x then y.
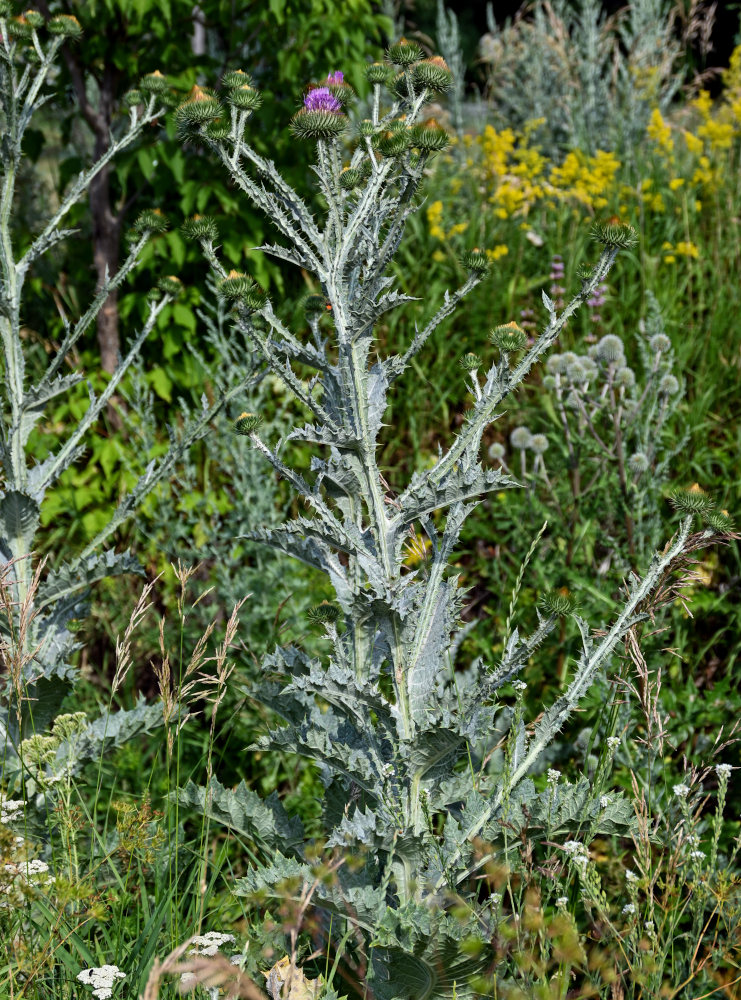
{"type": "Point", "coordinates": [496, 451]}
{"type": "Point", "coordinates": [590, 368]}
{"type": "Point", "coordinates": [576, 373]}
{"type": "Point", "coordinates": [669, 385]}
{"type": "Point", "coordinates": [572, 401]}
{"type": "Point", "coordinates": [520, 438]}
{"type": "Point", "coordinates": [553, 365]}
{"type": "Point", "coordinates": [610, 349]}
{"type": "Point", "coordinates": [660, 343]}
{"type": "Point", "coordinates": [539, 444]}
{"type": "Point", "coordinates": [625, 378]}
{"type": "Point", "coordinates": [549, 382]}
{"type": "Point", "coordinates": [638, 463]}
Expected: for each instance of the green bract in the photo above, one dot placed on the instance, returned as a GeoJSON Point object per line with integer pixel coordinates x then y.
{"type": "Point", "coordinates": [307, 124]}
{"type": "Point", "coordinates": [66, 25]}
{"type": "Point", "coordinates": [404, 53]}
{"type": "Point", "coordinates": [200, 227]}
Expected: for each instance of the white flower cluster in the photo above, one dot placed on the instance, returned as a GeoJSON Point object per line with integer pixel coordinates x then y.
{"type": "Point", "coordinates": [209, 944]}
{"type": "Point", "coordinates": [604, 801]}
{"type": "Point", "coordinates": [613, 742]}
{"type": "Point", "coordinates": [30, 871]}
{"type": "Point", "coordinates": [102, 980]}
{"type": "Point", "coordinates": [629, 909]}
{"type": "Point", "coordinates": [553, 776]}
{"type": "Point", "coordinates": [723, 771]}
{"type": "Point", "coordinates": [681, 791]}
{"type": "Point", "coordinates": [630, 876]}
{"type": "Point", "coordinates": [562, 902]}
{"type": "Point", "coordinates": [519, 686]}
{"type": "Point", "coordinates": [578, 853]}
{"type": "Point", "coordinates": [10, 809]}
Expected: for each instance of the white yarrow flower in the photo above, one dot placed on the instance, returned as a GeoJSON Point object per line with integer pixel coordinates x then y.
{"type": "Point", "coordinates": [629, 909]}
{"type": "Point", "coordinates": [681, 791]}
{"type": "Point", "coordinates": [102, 979]}
{"type": "Point", "coordinates": [723, 770]}
{"type": "Point", "coordinates": [630, 876]}
{"type": "Point", "coordinates": [209, 944]}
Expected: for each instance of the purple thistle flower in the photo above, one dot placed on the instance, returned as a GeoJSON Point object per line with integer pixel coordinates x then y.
{"type": "Point", "coordinates": [336, 78]}
{"type": "Point", "coordinates": [321, 99]}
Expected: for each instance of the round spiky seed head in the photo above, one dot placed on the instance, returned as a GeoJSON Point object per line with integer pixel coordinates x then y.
{"type": "Point", "coordinates": [367, 129]}
{"type": "Point", "coordinates": [133, 97]}
{"type": "Point", "coordinates": [430, 136]}
{"type": "Point", "coordinates": [625, 378]}
{"type": "Point", "coordinates": [34, 19]}
{"type": "Point", "coordinates": [508, 337]}
{"type": "Point", "coordinates": [610, 349]}
{"type": "Point", "coordinates": [433, 73]}
{"type": "Point", "coordinates": [245, 97]}
{"type": "Point", "coordinates": [247, 422]}
{"type": "Point", "coordinates": [575, 373]}
{"type": "Point", "coordinates": [554, 365]}
{"type": "Point", "coordinates": [520, 438]}
{"type": "Point", "coordinates": [170, 285]}
{"type": "Point", "coordinates": [154, 83]}
{"type": "Point", "coordinates": [218, 130]}
{"type": "Point", "coordinates": [323, 614]}
{"type": "Point", "coordinates": [200, 227]}
{"type": "Point", "coordinates": [549, 382]}
{"type": "Point", "coordinates": [719, 521]}
{"type": "Point", "coordinates": [691, 501]}
{"type": "Point", "coordinates": [377, 72]}
{"type": "Point", "coordinates": [638, 463]}
{"type": "Point", "coordinates": [148, 222]}
{"type": "Point", "coordinates": [539, 444]}
{"type": "Point", "coordinates": [615, 236]}
{"type": "Point", "coordinates": [669, 385]}
{"type": "Point", "coordinates": [404, 52]}
{"type": "Point", "coordinates": [393, 142]}
{"type": "Point", "coordinates": [660, 343]}
{"type": "Point", "coordinates": [557, 603]}
{"type": "Point", "coordinates": [470, 362]}
{"type": "Point", "coordinates": [350, 178]}
{"type": "Point", "coordinates": [18, 27]}
{"type": "Point", "coordinates": [199, 108]}
{"type": "Point", "coordinates": [584, 272]}
{"type": "Point", "coordinates": [475, 261]}
{"type": "Point", "coordinates": [255, 298]}
{"type": "Point", "coordinates": [235, 286]}
{"type": "Point", "coordinates": [314, 125]}
{"type": "Point", "coordinates": [66, 25]}
{"type": "Point", "coordinates": [315, 305]}
{"type": "Point", "coordinates": [496, 451]}
{"type": "Point", "coordinates": [236, 78]}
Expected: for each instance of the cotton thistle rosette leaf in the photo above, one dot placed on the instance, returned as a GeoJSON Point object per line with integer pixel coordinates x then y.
{"type": "Point", "coordinates": [246, 423]}
{"type": "Point", "coordinates": [200, 227]}
{"type": "Point", "coordinates": [433, 73]}
{"type": "Point", "coordinates": [508, 337]}
{"type": "Point", "coordinates": [404, 53]}
{"type": "Point", "coordinates": [615, 235]}
{"type": "Point", "coordinates": [470, 362]}
{"type": "Point", "coordinates": [430, 137]}
{"type": "Point", "coordinates": [321, 117]}
{"type": "Point", "coordinates": [691, 501]}
{"type": "Point", "coordinates": [66, 25]}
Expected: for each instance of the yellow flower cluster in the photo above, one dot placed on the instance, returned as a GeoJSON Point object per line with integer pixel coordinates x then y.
{"type": "Point", "coordinates": [681, 249]}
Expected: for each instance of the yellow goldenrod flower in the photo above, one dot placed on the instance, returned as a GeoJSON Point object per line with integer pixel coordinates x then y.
{"type": "Point", "coordinates": [694, 145]}
{"type": "Point", "coordinates": [687, 249]}
{"type": "Point", "coordinates": [675, 183]}
{"type": "Point", "coordinates": [660, 132]}
{"type": "Point", "coordinates": [703, 103]}
{"type": "Point", "coordinates": [500, 250]}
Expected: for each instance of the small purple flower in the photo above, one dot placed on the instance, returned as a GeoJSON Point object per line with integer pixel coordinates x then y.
{"type": "Point", "coordinates": [321, 99]}
{"type": "Point", "coordinates": [336, 78]}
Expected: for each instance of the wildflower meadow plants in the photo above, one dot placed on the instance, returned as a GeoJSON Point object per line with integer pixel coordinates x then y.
{"type": "Point", "coordinates": [429, 770]}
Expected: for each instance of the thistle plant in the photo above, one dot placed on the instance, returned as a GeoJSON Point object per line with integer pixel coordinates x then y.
{"type": "Point", "coordinates": [36, 643]}
{"type": "Point", "coordinates": [427, 769]}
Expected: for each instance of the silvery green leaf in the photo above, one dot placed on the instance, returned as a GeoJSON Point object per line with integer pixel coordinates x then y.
{"type": "Point", "coordinates": [548, 303]}
{"type": "Point", "coordinates": [19, 520]}
{"type": "Point", "coordinates": [63, 585]}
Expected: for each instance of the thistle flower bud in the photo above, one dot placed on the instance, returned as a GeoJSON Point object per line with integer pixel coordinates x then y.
{"type": "Point", "coordinates": [350, 178]}
{"type": "Point", "coordinates": [315, 305]}
{"type": "Point", "coordinates": [316, 122]}
{"type": "Point", "coordinates": [170, 285]}
{"type": "Point", "coordinates": [366, 128]}
{"type": "Point", "coordinates": [669, 385]}
{"type": "Point", "coordinates": [430, 136]}
{"type": "Point", "coordinates": [324, 613]}
{"type": "Point", "coordinates": [236, 78]}
{"type": "Point", "coordinates": [625, 378]}
{"type": "Point", "coordinates": [149, 222]}
{"type": "Point", "coordinates": [520, 438]}
{"type": "Point", "coordinates": [235, 286]}
{"type": "Point", "coordinates": [154, 83]}
{"type": "Point", "coordinates": [638, 463]}
{"type": "Point", "coordinates": [200, 227]}
{"type": "Point", "coordinates": [610, 349]}
{"type": "Point", "coordinates": [400, 86]}
{"type": "Point", "coordinates": [659, 343]}
{"type": "Point", "coordinates": [218, 130]}
{"type": "Point", "coordinates": [691, 501]}
{"type": "Point", "coordinates": [509, 337]}
{"type": "Point", "coordinates": [199, 108]}
{"type": "Point", "coordinates": [255, 298]}
{"type": "Point", "coordinates": [394, 141]}
{"type": "Point", "coordinates": [590, 368]}
{"type": "Point", "coordinates": [719, 521]}
{"type": "Point", "coordinates": [6, 8]}
{"type": "Point", "coordinates": [475, 261]}
{"type": "Point", "coordinates": [18, 27]}
{"type": "Point", "coordinates": [34, 19]}
{"type": "Point", "coordinates": [556, 603]}
{"type": "Point", "coordinates": [244, 98]}
{"type": "Point", "coordinates": [549, 382]}
{"type": "Point", "coordinates": [404, 53]}
{"type": "Point", "coordinates": [553, 365]}
{"type": "Point", "coordinates": [539, 444]}
{"type": "Point", "coordinates": [247, 422]}
{"type": "Point", "coordinates": [576, 373]}
{"type": "Point", "coordinates": [133, 97]}
{"type": "Point", "coordinates": [615, 236]}
{"type": "Point", "coordinates": [470, 362]}
{"type": "Point", "coordinates": [66, 25]}
{"type": "Point", "coordinates": [433, 73]}
{"type": "Point", "coordinates": [377, 73]}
